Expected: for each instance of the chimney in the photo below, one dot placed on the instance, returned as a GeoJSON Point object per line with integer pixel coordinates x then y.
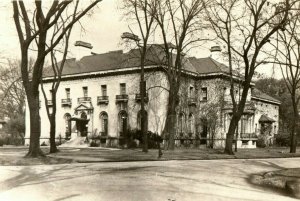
{"type": "Point", "coordinates": [82, 49]}
{"type": "Point", "coordinates": [216, 53]}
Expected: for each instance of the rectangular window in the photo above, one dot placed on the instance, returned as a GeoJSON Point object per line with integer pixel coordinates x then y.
{"type": "Point", "coordinates": [85, 91]}
{"type": "Point", "coordinates": [123, 88]}
{"type": "Point", "coordinates": [67, 92]}
{"type": "Point", "coordinates": [204, 93]}
{"type": "Point", "coordinates": [104, 90]}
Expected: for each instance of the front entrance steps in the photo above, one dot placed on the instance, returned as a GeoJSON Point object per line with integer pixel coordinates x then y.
{"type": "Point", "coordinates": [76, 142]}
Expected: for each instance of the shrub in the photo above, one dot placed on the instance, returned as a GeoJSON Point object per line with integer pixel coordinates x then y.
{"type": "Point", "coordinates": [8, 139]}
{"type": "Point", "coordinates": [16, 125]}
{"type": "Point", "coordinates": [282, 140]}
{"type": "Point", "coordinates": [94, 143]}
{"type": "Point", "coordinates": [133, 135]}
{"type": "Point", "coordinates": [153, 140]}
{"type": "Point", "coordinates": [263, 141]}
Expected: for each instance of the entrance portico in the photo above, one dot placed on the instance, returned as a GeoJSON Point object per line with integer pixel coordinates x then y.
{"type": "Point", "coordinates": [81, 126]}
{"type": "Point", "coordinates": [83, 118]}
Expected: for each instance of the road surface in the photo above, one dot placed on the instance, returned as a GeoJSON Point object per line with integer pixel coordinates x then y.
{"type": "Point", "coordinates": [138, 181]}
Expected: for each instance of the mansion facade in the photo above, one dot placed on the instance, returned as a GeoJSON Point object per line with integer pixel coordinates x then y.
{"type": "Point", "coordinates": [99, 96]}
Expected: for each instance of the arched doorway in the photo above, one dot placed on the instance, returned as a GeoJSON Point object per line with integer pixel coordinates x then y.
{"type": "Point", "coordinates": [104, 123]}
{"type": "Point", "coordinates": [82, 124]}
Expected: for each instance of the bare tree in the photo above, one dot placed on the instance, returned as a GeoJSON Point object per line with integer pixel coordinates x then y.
{"type": "Point", "coordinates": [287, 55]}
{"type": "Point", "coordinates": [57, 68]}
{"type": "Point", "coordinates": [33, 29]}
{"type": "Point", "coordinates": [180, 25]}
{"type": "Point", "coordinates": [245, 27]}
{"type": "Point", "coordinates": [12, 90]}
{"type": "Point", "coordinates": [142, 12]}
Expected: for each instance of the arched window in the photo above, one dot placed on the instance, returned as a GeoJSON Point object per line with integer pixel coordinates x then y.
{"type": "Point", "coordinates": [67, 118]}
{"type": "Point", "coordinates": [191, 123]}
{"type": "Point", "coordinates": [104, 123]}
{"type": "Point", "coordinates": [83, 115]}
{"type": "Point", "coordinates": [181, 121]}
{"type": "Point", "coordinates": [122, 122]}
{"type": "Point", "coordinates": [139, 118]}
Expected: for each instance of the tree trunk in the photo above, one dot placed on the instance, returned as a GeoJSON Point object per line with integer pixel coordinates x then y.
{"type": "Point", "coordinates": [293, 141]}
{"type": "Point", "coordinates": [230, 134]}
{"type": "Point", "coordinates": [236, 138]}
{"type": "Point", "coordinates": [295, 128]}
{"type": "Point", "coordinates": [35, 130]}
{"type": "Point", "coordinates": [143, 114]}
{"type": "Point", "coordinates": [52, 117]}
{"type": "Point", "coordinates": [170, 125]}
{"type": "Point", "coordinates": [144, 131]}
{"type": "Point", "coordinates": [236, 116]}
{"type": "Point", "coordinates": [53, 148]}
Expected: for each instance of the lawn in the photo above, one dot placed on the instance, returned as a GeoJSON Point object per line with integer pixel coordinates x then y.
{"type": "Point", "coordinates": [15, 155]}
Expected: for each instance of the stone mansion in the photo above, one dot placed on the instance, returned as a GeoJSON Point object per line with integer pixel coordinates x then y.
{"type": "Point", "coordinates": [99, 95]}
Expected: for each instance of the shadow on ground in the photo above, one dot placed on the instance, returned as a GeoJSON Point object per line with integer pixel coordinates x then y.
{"type": "Point", "coordinates": [28, 176]}
{"type": "Point", "coordinates": [284, 181]}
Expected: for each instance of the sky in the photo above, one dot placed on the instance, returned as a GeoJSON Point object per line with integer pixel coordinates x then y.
{"type": "Point", "coordinates": [103, 30]}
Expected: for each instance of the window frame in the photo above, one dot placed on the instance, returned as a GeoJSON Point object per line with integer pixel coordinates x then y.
{"type": "Point", "coordinates": [104, 90]}
{"type": "Point", "coordinates": [204, 94]}
{"type": "Point", "coordinates": [122, 88]}
{"type": "Point", "coordinates": [68, 92]}
{"type": "Point", "coordinates": [85, 91]}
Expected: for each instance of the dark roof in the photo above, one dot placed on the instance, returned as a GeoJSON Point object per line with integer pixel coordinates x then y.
{"type": "Point", "coordinates": [107, 61]}
{"type": "Point", "coordinates": [118, 60]}
{"type": "Point", "coordinates": [256, 93]}
{"type": "Point", "coordinates": [207, 65]}
{"type": "Point", "coordinates": [100, 62]}
{"type": "Point", "coordinates": [265, 118]}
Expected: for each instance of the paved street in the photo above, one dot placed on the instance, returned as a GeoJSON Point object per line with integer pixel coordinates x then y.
{"type": "Point", "coordinates": [155, 180]}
